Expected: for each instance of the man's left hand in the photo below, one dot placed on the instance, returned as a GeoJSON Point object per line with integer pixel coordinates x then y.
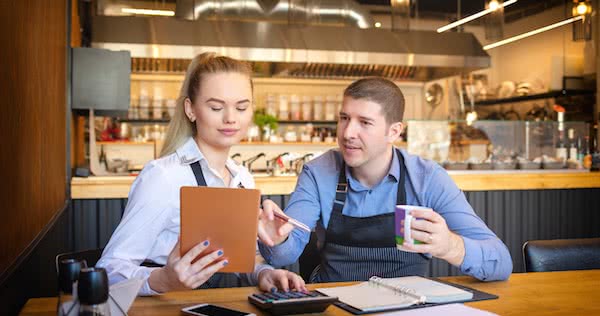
{"type": "Point", "coordinates": [430, 228]}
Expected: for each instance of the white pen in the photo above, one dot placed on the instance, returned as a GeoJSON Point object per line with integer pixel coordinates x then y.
{"type": "Point", "coordinates": [292, 221]}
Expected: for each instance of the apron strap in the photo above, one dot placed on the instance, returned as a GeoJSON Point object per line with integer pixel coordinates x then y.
{"type": "Point", "coordinates": [213, 281]}
{"type": "Point", "coordinates": [197, 169]}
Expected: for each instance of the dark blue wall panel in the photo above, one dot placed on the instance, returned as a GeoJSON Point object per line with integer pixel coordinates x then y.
{"type": "Point", "coordinates": [515, 216]}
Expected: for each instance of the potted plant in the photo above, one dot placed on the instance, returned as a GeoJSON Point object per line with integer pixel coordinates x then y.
{"type": "Point", "coordinates": [266, 123]}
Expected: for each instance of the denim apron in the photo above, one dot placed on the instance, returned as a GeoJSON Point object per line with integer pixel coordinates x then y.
{"type": "Point", "coordinates": [357, 248]}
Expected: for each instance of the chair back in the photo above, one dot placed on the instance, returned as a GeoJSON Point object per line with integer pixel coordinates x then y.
{"type": "Point", "coordinates": [561, 254]}
{"type": "Point", "coordinates": [91, 256]}
{"type": "Point", "coordinates": [310, 258]}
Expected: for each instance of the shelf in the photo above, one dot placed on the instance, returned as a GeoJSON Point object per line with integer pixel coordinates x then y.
{"type": "Point", "coordinates": [287, 143]}
{"type": "Point", "coordinates": [178, 77]}
{"type": "Point", "coordinates": [300, 122]}
{"type": "Point", "coordinates": [145, 121]}
{"type": "Point", "coordinates": [545, 95]}
{"type": "Point", "coordinates": [124, 142]}
{"type": "Point", "coordinates": [296, 122]}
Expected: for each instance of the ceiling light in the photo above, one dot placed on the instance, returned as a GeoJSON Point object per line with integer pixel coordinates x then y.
{"type": "Point", "coordinates": [530, 33]}
{"type": "Point", "coordinates": [581, 7]}
{"type": "Point", "coordinates": [148, 12]}
{"type": "Point", "coordinates": [493, 5]}
{"type": "Point", "coordinates": [470, 18]}
{"type": "Point", "coordinates": [377, 24]}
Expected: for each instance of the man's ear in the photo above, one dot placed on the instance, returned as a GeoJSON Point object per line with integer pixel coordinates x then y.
{"type": "Point", "coordinates": [394, 131]}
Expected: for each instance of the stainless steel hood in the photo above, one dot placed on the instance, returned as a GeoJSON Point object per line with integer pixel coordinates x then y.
{"type": "Point", "coordinates": [412, 55]}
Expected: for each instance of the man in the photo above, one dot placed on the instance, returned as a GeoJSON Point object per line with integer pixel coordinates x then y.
{"type": "Point", "coordinates": [348, 196]}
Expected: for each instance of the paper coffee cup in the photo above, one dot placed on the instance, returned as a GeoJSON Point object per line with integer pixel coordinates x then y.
{"type": "Point", "coordinates": [402, 213]}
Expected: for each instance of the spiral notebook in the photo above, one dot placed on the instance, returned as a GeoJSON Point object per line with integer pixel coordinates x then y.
{"type": "Point", "coordinates": [379, 294]}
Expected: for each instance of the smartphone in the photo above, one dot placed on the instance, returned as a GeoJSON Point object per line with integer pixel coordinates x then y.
{"type": "Point", "coordinates": [212, 310]}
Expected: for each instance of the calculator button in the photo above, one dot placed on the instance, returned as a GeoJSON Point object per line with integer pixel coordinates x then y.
{"type": "Point", "coordinates": [262, 297]}
{"type": "Point", "coordinates": [280, 295]}
{"type": "Point", "coordinates": [271, 296]}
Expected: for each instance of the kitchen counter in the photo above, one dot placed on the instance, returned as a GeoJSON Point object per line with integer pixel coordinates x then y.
{"type": "Point", "coordinates": [117, 187]}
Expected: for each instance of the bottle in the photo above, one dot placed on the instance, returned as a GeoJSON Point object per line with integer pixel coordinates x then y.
{"type": "Point", "coordinates": [595, 156]}
{"type": "Point", "coordinates": [561, 149]}
{"type": "Point", "coordinates": [585, 152]}
{"type": "Point", "coordinates": [581, 151]}
{"type": "Point", "coordinates": [573, 149]}
{"type": "Point", "coordinates": [92, 290]}
{"type": "Point", "coordinates": [68, 274]}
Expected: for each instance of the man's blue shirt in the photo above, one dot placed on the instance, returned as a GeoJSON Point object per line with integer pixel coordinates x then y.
{"type": "Point", "coordinates": [427, 184]}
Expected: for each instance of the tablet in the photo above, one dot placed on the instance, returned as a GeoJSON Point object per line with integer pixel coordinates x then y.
{"type": "Point", "coordinates": [227, 217]}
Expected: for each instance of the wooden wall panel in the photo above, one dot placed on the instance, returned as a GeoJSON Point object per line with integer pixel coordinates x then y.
{"type": "Point", "coordinates": [33, 159]}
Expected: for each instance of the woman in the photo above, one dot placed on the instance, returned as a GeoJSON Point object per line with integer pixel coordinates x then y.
{"type": "Point", "coordinates": [213, 112]}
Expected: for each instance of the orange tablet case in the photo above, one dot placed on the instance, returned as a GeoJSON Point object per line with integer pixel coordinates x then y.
{"type": "Point", "coordinates": [227, 217]}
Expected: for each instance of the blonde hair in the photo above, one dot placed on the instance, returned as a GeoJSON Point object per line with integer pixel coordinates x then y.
{"type": "Point", "coordinates": [180, 128]}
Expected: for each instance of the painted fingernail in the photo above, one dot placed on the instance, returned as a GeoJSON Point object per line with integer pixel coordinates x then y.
{"type": "Point", "coordinates": [220, 253]}
{"type": "Point", "coordinates": [273, 289]}
{"type": "Point", "coordinates": [225, 263]}
{"type": "Point", "coordinates": [205, 243]}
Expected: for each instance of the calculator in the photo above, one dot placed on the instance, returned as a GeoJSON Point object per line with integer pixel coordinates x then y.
{"type": "Point", "coordinates": [293, 302]}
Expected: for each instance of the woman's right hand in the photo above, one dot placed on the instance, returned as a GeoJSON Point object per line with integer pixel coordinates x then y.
{"type": "Point", "coordinates": [182, 273]}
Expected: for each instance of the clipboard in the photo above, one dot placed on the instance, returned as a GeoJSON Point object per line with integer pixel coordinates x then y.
{"type": "Point", "coordinates": [227, 217]}
{"type": "Point", "coordinates": [477, 296]}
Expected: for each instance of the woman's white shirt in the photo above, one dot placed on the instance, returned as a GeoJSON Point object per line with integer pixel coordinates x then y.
{"type": "Point", "coordinates": [150, 225]}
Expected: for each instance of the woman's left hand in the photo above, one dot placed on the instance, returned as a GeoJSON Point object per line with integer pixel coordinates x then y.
{"type": "Point", "coordinates": [272, 279]}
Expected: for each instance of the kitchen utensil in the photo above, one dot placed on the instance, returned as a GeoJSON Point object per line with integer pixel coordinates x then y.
{"type": "Point", "coordinates": [433, 97]}
{"type": "Point", "coordinates": [471, 115]}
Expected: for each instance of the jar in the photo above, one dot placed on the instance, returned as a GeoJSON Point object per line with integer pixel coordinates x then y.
{"type": "Point", "coordinates": [290, 135]}
{"type": "Point", "coordinates": [171, 104]}
{"type": "Point", "coordinates": [330, 107]}
{"type": "Point", "coordinates": [306, 108]}
{"type": "Point", "coordinates": [157, 109]}
{"type": "Point", "coordinates": [304, 134]}
{"type": "Point", "coordinates": [294, 107]}
{"type": "Point", "coordinates": [283, 108]}
{"type": "Point", "coordinates": [271, 105]}
{"type": "Point", "coordinates": [134, 108]}
{"type": "Point", "coordinates": [318, 108]}
{"type": "Point", "coordinates": [144, 109]}
{"type": "Point", "coordinates": [316, 136]}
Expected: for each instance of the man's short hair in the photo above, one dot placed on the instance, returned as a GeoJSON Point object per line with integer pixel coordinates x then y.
{"type": "Point", "coordinates": [381, 91]}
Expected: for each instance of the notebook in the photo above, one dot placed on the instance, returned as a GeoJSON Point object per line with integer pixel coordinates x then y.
{"type": "Point", "coordinates": [227, 217]}
{"type": "Point", "coordinates": [379, 294]}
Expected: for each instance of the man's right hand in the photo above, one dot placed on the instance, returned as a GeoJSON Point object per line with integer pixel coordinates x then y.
{"type": "Point", "coordinates": [271, 230]}
{"type": "Point", "coordinates": [187, 272]}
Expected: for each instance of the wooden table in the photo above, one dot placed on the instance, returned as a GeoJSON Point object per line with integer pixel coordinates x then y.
{"type": "Point", "coordinates": [542, 293]}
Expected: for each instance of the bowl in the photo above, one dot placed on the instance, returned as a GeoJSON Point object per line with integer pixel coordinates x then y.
{"type": "Point", "coordinates": [529, 165]}
{"type": "Point", "coordinates": [117, 165]}
{"type": "Point", "coordinates": [480, 166]}
{"type": "Point", "coordinates": [553, 165]}
{"type": "Point", "coordinates": [504, 165]}
{"type": "Point", "coordinates": [456, 166]}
